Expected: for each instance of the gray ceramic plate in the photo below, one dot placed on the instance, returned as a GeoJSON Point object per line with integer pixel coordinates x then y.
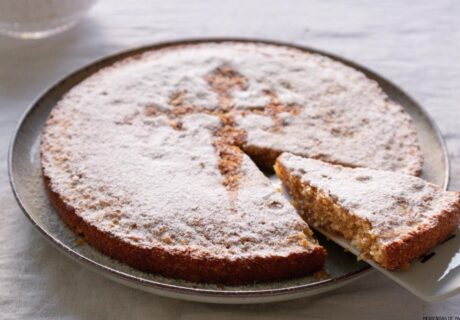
{"type": "Point", "coordinates": [26, 181]}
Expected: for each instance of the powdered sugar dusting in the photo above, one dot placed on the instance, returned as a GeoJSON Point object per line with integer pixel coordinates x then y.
{"type": "Point", "coordinates": [395, 204]}
{"type": "Point", "coordinates": [144, 183]}
{"type": "Point", "coordinates": [111, 151]}
{"type": "Point", "coordinates": [346, 118]}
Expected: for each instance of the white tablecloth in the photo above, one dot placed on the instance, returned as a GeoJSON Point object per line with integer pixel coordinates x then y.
{"type": "Point", "coordinates": [416, 44]}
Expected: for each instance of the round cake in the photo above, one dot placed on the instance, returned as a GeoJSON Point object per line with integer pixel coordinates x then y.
{"type": "Point", "coordinates": [157, 160]}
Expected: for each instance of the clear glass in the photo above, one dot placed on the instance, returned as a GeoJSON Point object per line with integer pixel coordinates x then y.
{"type": "Point", "coordinates": [33, 19]}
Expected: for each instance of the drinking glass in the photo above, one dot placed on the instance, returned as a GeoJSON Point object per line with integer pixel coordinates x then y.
{"type": "Point", "coordinates": [33, 19]}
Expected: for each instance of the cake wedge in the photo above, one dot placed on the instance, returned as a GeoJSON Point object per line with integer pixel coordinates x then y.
{"type": "Point", "coordinates": [392, 218]}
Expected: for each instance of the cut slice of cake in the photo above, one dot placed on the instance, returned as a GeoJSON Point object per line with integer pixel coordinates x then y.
{"type": "Point", "coordinates": [390, 217]}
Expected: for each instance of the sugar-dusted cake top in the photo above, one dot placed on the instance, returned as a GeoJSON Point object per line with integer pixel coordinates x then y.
{"type": "Point", "coordinates": [151, 149]}
{"type": "Point", "coordinates": [395, 204]}
{"type": "Point", "coordinates": [283, 98]}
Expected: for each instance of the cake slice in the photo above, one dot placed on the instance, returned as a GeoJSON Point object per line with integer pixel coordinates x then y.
{"type": "Point", "coordinates": [390, 217]}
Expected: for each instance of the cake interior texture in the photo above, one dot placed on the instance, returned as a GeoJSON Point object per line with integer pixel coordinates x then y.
{"type": "Point", "coordinates": [391, 218]}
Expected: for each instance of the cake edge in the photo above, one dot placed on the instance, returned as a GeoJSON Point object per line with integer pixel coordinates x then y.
{"type": "Point", "coordinates": [185, 266]}
{"type": "Point", "coordinates": [401, 252]}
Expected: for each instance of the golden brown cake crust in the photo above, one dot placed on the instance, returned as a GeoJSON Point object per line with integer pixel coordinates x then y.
{"type": "Point", "coordinates": [212, 270]}
{"type": "Point", "coordinates": [413, 246]}
{"type": "Point", "coordinates": [427, 214]}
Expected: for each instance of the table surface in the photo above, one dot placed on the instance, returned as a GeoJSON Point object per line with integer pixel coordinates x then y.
{"type": "Point", "coordinates": [416, 45]}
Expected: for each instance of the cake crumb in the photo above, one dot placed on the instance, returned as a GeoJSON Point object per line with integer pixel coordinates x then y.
{"type": "Point", "coordinates": [321, 275]}
{"type": "Point", "coordinates": [80, 241]}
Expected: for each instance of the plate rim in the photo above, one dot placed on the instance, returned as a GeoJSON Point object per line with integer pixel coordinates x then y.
{"type": "Point", "coordinates": [189, 291]}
